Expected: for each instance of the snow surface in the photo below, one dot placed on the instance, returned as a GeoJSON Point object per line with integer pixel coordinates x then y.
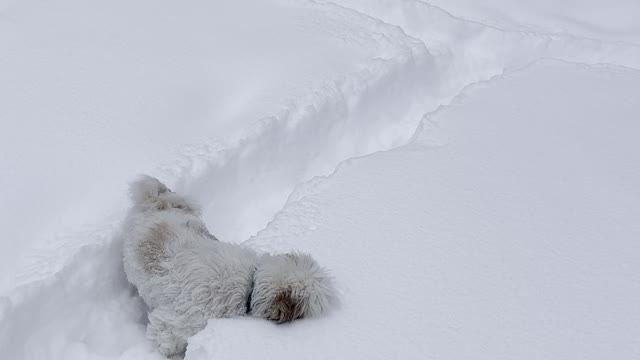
{"type": "Point", "coordinates": [507, 229]}
{"type": "Point", "coordinates": [471, 199]}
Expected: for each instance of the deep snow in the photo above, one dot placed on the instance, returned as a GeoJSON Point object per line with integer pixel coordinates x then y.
{"type": "Point", "coordinates": [507, 229]}
{"type": "Point", "coordinates": [504, 229]}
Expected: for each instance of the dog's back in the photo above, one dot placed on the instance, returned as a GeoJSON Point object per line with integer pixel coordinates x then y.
{"type": "Point", "coordinates": [158, 220]}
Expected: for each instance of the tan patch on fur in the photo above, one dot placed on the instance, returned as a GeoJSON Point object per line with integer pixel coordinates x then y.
{"type": "Point", "coordinates": [151, 249]}
{"type": "Point", "coordinates": [283, 308]}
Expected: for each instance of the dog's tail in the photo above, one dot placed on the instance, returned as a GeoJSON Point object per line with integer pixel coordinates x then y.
{"type": "Point", "coordinates": [146, 188]}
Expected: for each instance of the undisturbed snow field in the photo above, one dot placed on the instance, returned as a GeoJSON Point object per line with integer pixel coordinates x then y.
{"type": "Point", "coordinates": [467, 170]}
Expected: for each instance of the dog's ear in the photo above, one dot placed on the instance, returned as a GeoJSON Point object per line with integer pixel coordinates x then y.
{"type": "Point", "coordinates": [284, 308]}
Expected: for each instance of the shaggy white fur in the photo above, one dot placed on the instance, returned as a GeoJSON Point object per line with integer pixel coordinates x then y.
{"type": "Point", "coordinates": [186, 276]}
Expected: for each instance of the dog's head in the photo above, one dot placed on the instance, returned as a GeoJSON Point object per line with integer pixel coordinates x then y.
{"type": "Point", "coordinates": [289, 287]}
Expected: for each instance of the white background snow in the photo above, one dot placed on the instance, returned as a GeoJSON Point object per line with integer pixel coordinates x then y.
{"type": "Point", "coordinates": [467, 170]}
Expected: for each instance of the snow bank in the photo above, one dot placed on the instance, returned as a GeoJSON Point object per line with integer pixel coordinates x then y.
{"type": "Point", "coordinates": [506, 230]}
{"type": "Point", "coordinates": [93, 94]}
{"type": "Point", "coordinates": [473, 49]}
{"type": "Point", "coordinates": [614, 21]}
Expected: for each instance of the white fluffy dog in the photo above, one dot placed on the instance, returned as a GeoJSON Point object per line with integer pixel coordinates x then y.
{"type": "Point", "coordinates": [186, 276]}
